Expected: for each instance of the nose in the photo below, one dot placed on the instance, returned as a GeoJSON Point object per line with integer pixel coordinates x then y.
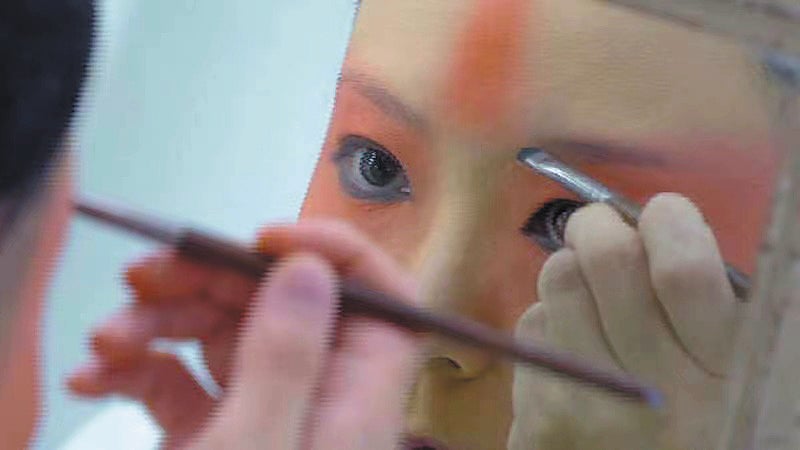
{"type": "Point", "coordinates": [452, 268]}
{"type": "Point", "coordinates": [469, 261]}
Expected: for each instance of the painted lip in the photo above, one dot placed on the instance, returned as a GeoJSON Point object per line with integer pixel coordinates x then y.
{"type": "Point", "coordinates": [422, 443]}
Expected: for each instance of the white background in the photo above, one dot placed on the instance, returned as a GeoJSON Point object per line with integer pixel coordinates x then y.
{"type": "Point", "coordinates": [206, 110]}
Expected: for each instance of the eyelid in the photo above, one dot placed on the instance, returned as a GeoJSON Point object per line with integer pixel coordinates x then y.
{"type": "Point", "coordinates": [344, 150]}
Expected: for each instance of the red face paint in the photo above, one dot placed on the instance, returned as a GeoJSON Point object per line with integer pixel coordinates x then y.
{"type": "Point", "coordinates": [481, 82]}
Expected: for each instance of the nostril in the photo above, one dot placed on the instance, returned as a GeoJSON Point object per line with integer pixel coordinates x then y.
{"type": "Point", "coordinates": [424, 443]}
{"type": "Point", "coordinates": [445, 363]}
{"type": "Point", "coordinates": [464, 366]}
{"type": "Point", "coordinates": [454, 364]}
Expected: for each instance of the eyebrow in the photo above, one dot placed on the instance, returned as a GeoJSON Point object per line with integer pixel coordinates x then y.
{"type": "Point", "coordinates": [389, 103]}
{"type": "Point", "coordinates": [587, 152]}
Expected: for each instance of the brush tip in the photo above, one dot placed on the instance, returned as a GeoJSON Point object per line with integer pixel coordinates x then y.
{"type": "Point", "coordinates": [527, 153]}
{"type": "Point", "coordinates": [532, 156]}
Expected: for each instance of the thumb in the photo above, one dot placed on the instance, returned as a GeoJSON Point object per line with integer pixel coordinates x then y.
{"type": "Point", "coordinates": [284, 342]}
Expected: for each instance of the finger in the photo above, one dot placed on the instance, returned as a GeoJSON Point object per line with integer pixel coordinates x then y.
{"type": "Point", "coordinates": [129, 334]}
{"type": "Point", "coordinates": [281, 354]}
{"type": "Point", "coordinates": [351, 253]}
{"type": "Point", "coordinates": [167, 277]}
{"type": "Point", "coordinates": [532, 325]}
{"type": "Point", "coordinates": [536, 397]}
{"type": "Point", "coordinates": [567, 317]}
{"type": "Point", "coordinates": [88, 380]}
{"type": "Point", "coordinates": [362, 402]}
{"type": "Point", "coordinates": [220, 352]}
{"type": "Point", "coordinates": [161, 383]}
{"type": "Point", "coordinates": [573, 322]}
{"type": "Point", "coordinates": [689, 278]}
{"type": "Point", "coordinates": [373, 361]}
{"type": "Point", "coordinates": [613, 262]}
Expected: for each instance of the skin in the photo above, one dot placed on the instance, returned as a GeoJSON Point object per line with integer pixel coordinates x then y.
{"type": "Point", "coordinates": [667, 273]}
{"type": "Point", "coordinates": [453, 88]}
{"type": "Point", "coordinates": [330, 383]}
{"type": "Point", "coordinates": [46, 222]}
{"type": "Point", "coordinates": [285, 345]}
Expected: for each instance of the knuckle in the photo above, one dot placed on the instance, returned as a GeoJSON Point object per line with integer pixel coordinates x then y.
{"type": "Point", "coordinates": [559, 269]}
{"type": "Point", "coordinates": [579, 220]}
{"type": "Point", "coordinates": [619, 243]}
{"type": "Point", "coordinates": [532, 322]}
{"type": "Point", "coordinates": [620, 246]}
{"type": "Point", "coordinates": [559, 262]}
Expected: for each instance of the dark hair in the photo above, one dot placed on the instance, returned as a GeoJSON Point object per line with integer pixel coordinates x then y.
{"type": "Point", "coordinates": [45, 47]}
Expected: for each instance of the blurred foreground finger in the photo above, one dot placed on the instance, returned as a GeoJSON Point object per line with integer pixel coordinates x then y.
{"type": "Point", "coordinates": [161, 383]}
{"type": "Point", "coordinates": [130, 333]}
{"type": "Point", "coordinates": [351, 252]}
{"type": "Point", "coordinates": [283, 349]}
{"type": "Point", "coordinates": [167, 277]}
{"type": "Point", "coordinates": [362, 402]}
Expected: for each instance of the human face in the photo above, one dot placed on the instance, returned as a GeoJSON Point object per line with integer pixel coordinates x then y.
{"type": "Point", "coordinates": [437, 97]}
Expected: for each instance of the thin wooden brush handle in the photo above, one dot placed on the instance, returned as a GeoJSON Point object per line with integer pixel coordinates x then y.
{"type": "Point", "coordinates": [357, 299]}
{"type": "Point", "coordinates": [360, 300]}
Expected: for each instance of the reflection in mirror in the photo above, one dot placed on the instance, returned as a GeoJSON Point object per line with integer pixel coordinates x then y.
{"type": "Point", "coordinates": [447, 92]}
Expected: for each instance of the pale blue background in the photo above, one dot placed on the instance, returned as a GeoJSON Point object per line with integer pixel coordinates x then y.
{"type": "Point", "coordinates": [207, 110]}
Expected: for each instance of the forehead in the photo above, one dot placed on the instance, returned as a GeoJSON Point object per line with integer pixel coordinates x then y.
{"type": "Point", "coordinates": [581, 67]}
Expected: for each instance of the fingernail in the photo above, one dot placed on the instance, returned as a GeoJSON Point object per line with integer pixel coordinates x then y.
{"type": "Point", "coordinates": [308, 280]}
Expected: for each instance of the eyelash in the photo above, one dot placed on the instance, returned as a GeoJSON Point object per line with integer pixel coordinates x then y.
{"type": "Point", "coordinates": [547, 225]}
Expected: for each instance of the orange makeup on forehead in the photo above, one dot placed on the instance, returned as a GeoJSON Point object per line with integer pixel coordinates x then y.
{"type": "Point", "coordinates": [487, 60]}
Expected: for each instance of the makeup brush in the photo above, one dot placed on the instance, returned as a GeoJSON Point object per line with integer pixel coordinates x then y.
{"type": "Point", "coordinates": [358, 299]}
{"type": "Point", "coordinates": [591, 190]}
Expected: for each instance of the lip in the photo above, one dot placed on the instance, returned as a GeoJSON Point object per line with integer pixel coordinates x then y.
{"type": "Point", "coordinates": [422, 443]}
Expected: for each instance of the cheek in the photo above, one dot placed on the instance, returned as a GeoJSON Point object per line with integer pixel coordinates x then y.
{"type": "Point", "coordinates": [395, 228]}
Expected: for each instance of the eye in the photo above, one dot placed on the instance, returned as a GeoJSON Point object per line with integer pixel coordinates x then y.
{"type": "Point", "coordinates": [368, 171]}
{"type": "Point", "coordinates": [547, 225]}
